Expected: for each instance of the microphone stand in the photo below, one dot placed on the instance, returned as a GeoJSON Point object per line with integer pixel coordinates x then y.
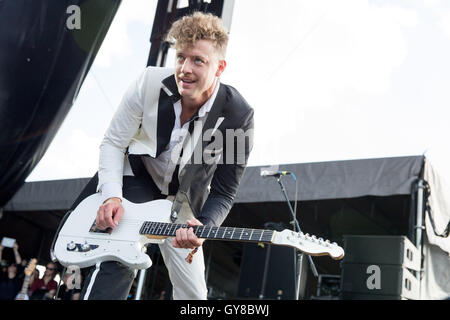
{"type": "Point", "coordinates": [299, 255]}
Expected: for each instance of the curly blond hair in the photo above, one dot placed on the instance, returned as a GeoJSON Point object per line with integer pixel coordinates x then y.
{"type": "Point", "coordinates": [199, 26]}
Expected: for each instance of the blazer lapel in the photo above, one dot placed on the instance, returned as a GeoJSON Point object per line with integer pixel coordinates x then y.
{"type": "Point", "coordinates": [216, 111]}
{"type": "Point", "coordinates": [166, 115]}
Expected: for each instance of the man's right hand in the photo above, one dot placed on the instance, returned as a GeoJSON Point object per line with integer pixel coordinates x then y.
{"type": "Point", "coordinates": [109, 214]}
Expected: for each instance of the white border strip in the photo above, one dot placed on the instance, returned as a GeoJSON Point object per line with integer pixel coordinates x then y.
{"type": "Point", "coordinates": [91, 282]}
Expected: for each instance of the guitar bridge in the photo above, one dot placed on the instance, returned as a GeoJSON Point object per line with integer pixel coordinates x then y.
{"type": "Point", "coordinates": [95, 229]}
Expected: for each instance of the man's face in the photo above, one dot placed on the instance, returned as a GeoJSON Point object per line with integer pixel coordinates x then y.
{"type": "Point", "coordinates": [199, 65]}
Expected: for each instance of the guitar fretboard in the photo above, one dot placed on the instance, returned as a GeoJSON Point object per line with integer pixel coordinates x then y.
{"type": "Point", "coordinates": [25, 284]}
{"type": "Point", "coordinates": [205, 232]}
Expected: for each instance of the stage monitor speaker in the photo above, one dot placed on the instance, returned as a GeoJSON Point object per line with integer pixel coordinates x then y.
{"type": "Point", "coordinates": [267, 272]}
{"type": "Point", "coordinates": [379, 267]}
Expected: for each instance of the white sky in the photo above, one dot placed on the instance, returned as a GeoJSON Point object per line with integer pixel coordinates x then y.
{"type": "Point", "coordinates": [328, 80]}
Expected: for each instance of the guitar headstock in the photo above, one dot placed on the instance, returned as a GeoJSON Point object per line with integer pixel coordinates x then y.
{"type": "Point", "coordinates": [309, 244]}
{"type": "Point", "coordinates": [30, 267]}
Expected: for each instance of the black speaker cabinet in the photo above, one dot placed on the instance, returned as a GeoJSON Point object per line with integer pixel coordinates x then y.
{"type": "Point", "coordinates": [379, 267]}
{"type": "Point", "coordinates": [268, 271]}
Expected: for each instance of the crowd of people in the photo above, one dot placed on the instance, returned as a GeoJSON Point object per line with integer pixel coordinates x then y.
{"type": "Point", "coordinates": [16, 284]}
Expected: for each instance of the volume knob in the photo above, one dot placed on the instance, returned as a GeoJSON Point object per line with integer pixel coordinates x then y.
{"type": "Point", "coordinates": [85, 247]}
{"type": "Point", "coordinates": [71, 246]}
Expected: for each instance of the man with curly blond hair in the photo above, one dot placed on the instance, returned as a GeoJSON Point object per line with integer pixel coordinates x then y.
{"type": "Point", "coordinates": [177, 133]}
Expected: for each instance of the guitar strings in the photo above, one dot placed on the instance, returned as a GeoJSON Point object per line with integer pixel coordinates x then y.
{"type": "Point", "coordinates": [165, 227]}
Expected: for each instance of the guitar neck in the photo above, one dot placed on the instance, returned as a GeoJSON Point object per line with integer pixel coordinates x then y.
{"type": "Point", "coordinates": [164, 230]}
{"type": "Point", "coordinates": [26, 281]}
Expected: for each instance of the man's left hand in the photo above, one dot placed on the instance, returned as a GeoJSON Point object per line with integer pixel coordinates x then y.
{"type": "Point", "coordinates": [185, 237]}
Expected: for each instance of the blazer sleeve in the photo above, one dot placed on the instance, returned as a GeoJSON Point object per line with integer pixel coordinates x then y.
{"type": "Point", "coordinates": [226, 179]}
{"type": "Point", "coordinates": [123, 127]}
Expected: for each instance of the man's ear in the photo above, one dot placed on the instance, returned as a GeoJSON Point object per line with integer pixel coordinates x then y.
{"type": "Point", "coordinates": [221, 68]}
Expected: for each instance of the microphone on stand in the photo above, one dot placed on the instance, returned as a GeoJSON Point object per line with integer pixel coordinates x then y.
{"type": "Point", "coordinates": [267, 173]}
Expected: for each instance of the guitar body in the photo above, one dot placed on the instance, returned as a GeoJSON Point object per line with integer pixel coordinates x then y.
{"type": "Point", "coordinates": [78, 244]}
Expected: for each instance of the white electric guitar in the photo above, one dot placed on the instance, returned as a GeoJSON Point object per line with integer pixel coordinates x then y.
{"type": "Point", "coordinates": [80, 243]}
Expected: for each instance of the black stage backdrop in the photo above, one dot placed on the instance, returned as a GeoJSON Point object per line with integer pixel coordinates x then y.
{"type": "Point", "coordinates": [44, 60]}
